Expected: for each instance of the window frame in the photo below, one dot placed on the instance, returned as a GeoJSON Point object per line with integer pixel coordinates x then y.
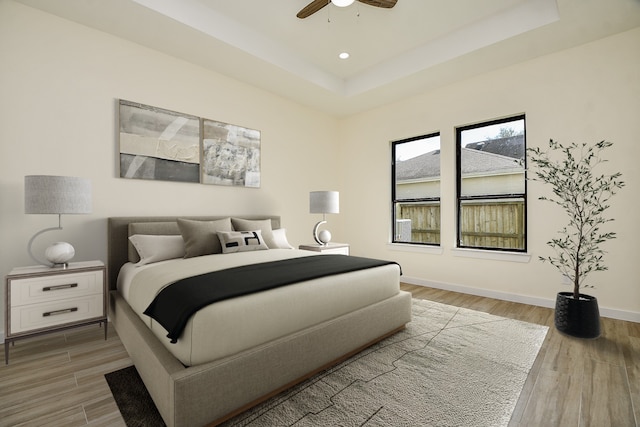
{"type": "Point", "coordinates": [395, 200]}
{"type": "Point", "coordinates": [489, 197]}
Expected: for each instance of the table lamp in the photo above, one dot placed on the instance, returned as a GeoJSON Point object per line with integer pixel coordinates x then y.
{"type": "Point", "coordinates": [323, 202]}
{"type": "Point", "coordinates": [45, 194]}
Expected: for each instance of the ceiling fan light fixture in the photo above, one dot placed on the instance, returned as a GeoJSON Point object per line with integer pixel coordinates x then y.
{"type": "Point", "coordinates": [316, 5]}
{"type": "Point", "coordinates": [342, 3]}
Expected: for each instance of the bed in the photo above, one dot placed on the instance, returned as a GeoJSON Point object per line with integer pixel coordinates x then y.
{"type": "Point", "coordinates": [236, 353]}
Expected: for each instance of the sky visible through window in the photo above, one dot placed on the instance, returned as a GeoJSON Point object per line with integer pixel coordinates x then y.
{"type": "Point", "coordinates": [486, 132]}
{"type": "Point", "coordinates": [409, 150]}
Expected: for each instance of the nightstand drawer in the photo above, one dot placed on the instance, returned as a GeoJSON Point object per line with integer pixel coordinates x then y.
{"type": "Point", "coordinates": [40, 299]}
{"type": "Point", "coordinates": [46, 315]}
{"type": "Point", "coordinates": [55, 287]}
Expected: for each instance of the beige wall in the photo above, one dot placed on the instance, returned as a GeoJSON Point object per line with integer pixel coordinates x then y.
{"type": "Point", "coordinates": [585, 94]}
{"type": "Point", "coordinates": [59, 85]}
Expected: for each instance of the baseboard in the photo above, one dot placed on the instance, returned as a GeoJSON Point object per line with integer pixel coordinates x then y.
{"type": "Point", "coordinates": [629, 316]}
{"type": "Point", "coordinates": [612, 313]}
{"type": "Point", "coordinates": [1, 337]}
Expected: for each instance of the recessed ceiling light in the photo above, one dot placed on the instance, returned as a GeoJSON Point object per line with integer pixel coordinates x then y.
{"type": "Point", "coordinates": [344, 55]}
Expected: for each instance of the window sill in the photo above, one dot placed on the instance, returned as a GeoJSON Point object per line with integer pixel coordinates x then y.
{"type": "Point", "coordinates": [425, 249]}
{"type": "Point", "coordinates": [494, 255]}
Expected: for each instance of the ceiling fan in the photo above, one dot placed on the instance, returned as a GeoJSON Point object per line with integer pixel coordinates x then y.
{"type": "Point", "coordinates": [316, 5]}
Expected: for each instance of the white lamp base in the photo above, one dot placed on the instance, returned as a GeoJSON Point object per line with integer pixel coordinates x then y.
{"type": "Point", "coordinates": [59, 254]}
{"type": "Point", "coordinates": [323, 237]}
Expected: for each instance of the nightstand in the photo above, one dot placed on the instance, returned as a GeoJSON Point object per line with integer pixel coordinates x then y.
{"type": "Point", "coordinates": [330, 248]}
{"type": "Point", "coordinates": [40, 300]}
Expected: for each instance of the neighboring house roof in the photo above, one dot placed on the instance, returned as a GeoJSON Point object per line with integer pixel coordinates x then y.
{"type": "Point", "coordinates": [510, 146]}
{"type": "Point", "coordinates": [422, 166]}
{"type": "Point", "coordinates": [475, 162]}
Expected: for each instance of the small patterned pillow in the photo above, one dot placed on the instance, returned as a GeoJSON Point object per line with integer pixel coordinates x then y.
{"type": "Point", "coordinates": [264, 225]}
{"type": "Point", "coordinates": [241, 241]}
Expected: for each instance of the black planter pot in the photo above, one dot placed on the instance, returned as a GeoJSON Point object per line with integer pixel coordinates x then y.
{"type": "Point", "coordinates": [577, 317]}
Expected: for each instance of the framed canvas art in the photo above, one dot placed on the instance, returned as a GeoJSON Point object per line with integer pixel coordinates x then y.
{"type": "Point", "coordinates": [230, 155]}
{"type": "Point", "coordinates": [158, 144]}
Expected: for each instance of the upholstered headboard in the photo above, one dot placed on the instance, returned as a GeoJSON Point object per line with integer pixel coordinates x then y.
{"type": "Point", "coordinates": [118, 235]}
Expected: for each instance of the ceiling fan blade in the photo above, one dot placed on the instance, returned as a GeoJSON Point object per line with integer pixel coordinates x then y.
{"type": "Point", "coordinates": [387, 4]}
{"type": "Point", "coordinates": [312, 8]}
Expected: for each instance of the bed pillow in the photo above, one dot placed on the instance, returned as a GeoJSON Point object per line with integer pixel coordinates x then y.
{"type": "Point", "coordinates": [280, 239]}
{"type": "Point", "coordinates": [264, 225]}
{"type": "Point", "coordinates": [165, 228]}
{"type": "Point", "coordinates": [200, 237]}
{"type": "Point", "coordinates": [154, 248]}
{"type": "Point", "coordinates": [241, 241]}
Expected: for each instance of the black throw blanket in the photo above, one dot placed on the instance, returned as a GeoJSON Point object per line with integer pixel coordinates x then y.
{"type": "Point", "coordinates": [176, 303]}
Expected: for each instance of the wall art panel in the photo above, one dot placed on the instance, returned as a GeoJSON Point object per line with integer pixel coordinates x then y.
{"type": "Point", "coordinates": [158, 144]}
{"type": "Point", "coordinates": [230, 155]}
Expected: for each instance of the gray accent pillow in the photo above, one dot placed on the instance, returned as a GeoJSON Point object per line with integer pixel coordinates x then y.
{"type": "Point", "coordinates": [201, 237]}
{"type": "Point", "coordinates": [264, 225]}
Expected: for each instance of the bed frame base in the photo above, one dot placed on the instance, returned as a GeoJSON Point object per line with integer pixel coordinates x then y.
{"type": "Point", "coordinates": [212, 393]}
{"type": "Point", "coordinates": [305, 377]}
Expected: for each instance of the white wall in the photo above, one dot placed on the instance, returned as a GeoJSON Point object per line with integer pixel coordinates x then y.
{"type": "Point", "coordinates": [584, 94]}
{"type": "Point", "coordinates": [59, 85]}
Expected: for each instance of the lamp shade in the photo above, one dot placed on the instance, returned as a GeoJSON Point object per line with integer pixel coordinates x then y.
{"type": "Point", "coordinates": [46, 194]}
{"type": "Point", "coordinates": [324, 202]}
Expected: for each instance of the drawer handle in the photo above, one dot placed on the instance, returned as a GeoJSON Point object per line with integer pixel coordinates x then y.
{"type": "Point", "coordinates": [59, 287]}
{"type": "Point", "coordinates": [55, 312]}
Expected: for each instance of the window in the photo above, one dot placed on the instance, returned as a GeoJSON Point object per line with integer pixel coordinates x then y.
{"type": "Point", "coordinates": [491, 185]}
{"type": "Point", "coordinates": [415, 172]}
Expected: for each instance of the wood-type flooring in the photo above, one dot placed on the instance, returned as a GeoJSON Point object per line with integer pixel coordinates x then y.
{"type": "Point", "coordinates": [58, 379]}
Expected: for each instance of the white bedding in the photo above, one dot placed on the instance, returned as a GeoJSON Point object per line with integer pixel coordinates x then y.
{"type": "Point", "coordinates": [231, 326]}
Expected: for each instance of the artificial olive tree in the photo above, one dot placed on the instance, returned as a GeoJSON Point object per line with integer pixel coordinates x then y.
{"type": "Point", "coordinates": [584, 196]}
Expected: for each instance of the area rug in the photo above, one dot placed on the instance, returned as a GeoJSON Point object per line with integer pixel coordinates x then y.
{"type": "Point", "coordinates": [133, 399]}
{"type": "Point", "coordinates": [450, 367]}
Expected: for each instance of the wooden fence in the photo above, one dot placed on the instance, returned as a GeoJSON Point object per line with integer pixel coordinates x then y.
{"type": "Point", "coordinates": [425, 221]}
{"type": "Point", "coordinates": [485, 224]}
{"type": "Point", "coordinates": [497, 224]}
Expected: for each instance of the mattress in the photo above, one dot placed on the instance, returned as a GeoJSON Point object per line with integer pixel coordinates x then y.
{"type": "Point", "coordinates": [229, 327]}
